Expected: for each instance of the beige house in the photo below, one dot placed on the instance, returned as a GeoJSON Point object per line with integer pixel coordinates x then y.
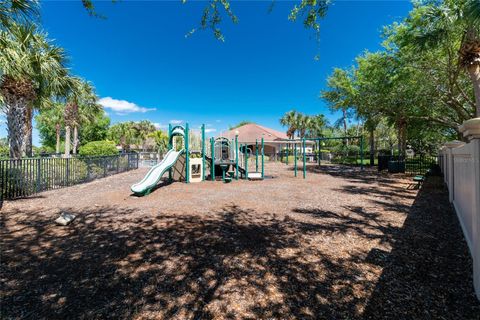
{"type": "Point", "coordinates": [274, 140]}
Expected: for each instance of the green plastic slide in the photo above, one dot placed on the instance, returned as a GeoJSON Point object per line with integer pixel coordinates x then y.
{"type": "Point", "coordinates": [155, 173]}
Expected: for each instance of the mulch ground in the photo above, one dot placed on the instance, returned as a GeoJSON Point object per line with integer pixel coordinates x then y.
{"type": "Point", "coordinates": [341, 244]}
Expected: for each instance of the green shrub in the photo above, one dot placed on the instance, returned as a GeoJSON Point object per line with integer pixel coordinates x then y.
{"type": "Point", "coordinates": [346, 149]}
{"type": "Point", "coordinates": [42, 150]}
{"type": "Point", "coordinates": [99, 148]}
{"type": "Point", "coordinates": [4, 151]}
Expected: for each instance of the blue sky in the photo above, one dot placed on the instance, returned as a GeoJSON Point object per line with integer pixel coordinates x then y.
{"type": "Point", "coordinates": [144, 67]}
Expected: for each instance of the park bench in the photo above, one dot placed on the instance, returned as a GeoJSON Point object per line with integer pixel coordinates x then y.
{"type": "Point", "coordinates": [417, 182]}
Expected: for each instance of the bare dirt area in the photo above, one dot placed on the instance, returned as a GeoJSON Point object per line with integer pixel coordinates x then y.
{"type": "Point", "coordinates": [340, 244]}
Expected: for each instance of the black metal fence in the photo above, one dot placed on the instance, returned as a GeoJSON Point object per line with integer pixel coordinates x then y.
{"type": "Point", "coordinates": [410, 165]}
{"type": "Point", "coordinates": [24, 177]}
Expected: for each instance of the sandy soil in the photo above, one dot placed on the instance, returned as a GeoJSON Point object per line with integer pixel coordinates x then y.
{"type": "Point", "coordinates": [339, 244]}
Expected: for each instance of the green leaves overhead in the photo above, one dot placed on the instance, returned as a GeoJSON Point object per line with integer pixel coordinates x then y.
{"type": "Point", "coordinates": [416, 83]}
{"type": "Point", "coordinates": [311, 11]}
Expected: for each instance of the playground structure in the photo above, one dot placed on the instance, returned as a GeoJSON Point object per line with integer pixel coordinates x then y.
{"type": "Point", "coordinates": [342, 154]}
{"type": "Point", "coordinates": [189, 154]}
{"type": "Point", "coordinates": [192, 158]}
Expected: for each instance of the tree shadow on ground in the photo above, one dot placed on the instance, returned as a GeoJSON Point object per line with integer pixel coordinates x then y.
{"type": "Point", "coordinates": [428, 273]}
{"type": "Point", "coordinates": [350, 173]}
{"type": "Point", "coordinates": [236, 263]}
{"type": "Point", "coordinates": [111, 263]}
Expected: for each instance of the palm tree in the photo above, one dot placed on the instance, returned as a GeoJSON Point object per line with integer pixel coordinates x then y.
{"type": "Point", "coordinates": [80, 106]}
{"type": "Point", "coordinates": [123, 133]}
{"type": "Point", "coordinates": [32, 69]}
{"type": "Point", "coordinates": [53, 117]}
{"type": "Point", "coordinates": [70, 115]}
{"type": "Point", "coordinates": [317, 125]}
{"type": "Point", "coordinates": [88, 109]}
{"type": "Point", "coordinates": [290, 120]}
{"type": "Point", "coordinates": [142, 130]}
{"type": "Point", "coordinates": [303, 123]}
{"type": "Point", "coordinates": [88, 114]}
{"type": "Point", "coordinates": [161, 140]}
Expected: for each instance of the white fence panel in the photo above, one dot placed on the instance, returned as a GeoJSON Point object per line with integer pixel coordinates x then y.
{"type": "Point", "coordinates": [463, 188]}
{"type": "Point", "coordinates": [461, 169]}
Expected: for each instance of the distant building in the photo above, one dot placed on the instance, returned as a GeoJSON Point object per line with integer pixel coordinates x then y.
{"type": "Point", "coordinates": [274, 140]}
{"type": "Point", "coordinates": [148, 145]}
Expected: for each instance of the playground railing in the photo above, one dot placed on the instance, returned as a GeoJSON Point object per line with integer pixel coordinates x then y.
{"type": "Point", "coordinates": [25, 177]}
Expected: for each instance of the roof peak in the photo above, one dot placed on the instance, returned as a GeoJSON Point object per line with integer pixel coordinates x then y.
{"type": "Point", "coordinates": [250, 132]}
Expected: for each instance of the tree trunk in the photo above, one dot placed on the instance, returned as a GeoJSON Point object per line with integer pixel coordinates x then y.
{"type": "Point", "coordinates": [474, 72]}
{"type": "Point", "coordinates": [67, 141]}
{"type": "Point", "coordinates": [344, 111]}
{"type": "Point", "coordinates": [372, 147]}
{"type": "Point", "coordinates": [57, 132]}
{"type": "Point", "coordinates": [75, 139]}
{"type": "Point", "coordinates": [16, 108]}
{"type": "Point", "coordinates": [28, 132]}
{"type": "Point", "coordinates": [402, 138]}
{"type": "Point", "coordinates": [399, 145]}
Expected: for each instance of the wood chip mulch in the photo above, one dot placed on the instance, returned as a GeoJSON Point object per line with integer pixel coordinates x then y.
{"type": "Point", "coordinates": [341, 244]}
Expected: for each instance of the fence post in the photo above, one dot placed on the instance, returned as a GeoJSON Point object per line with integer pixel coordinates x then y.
{"type": "Point", "coordinates": [263, 159]}
{"type": "Point", "coordinates": [450, 170]}
{"type": "Point", "coordinates": [320, 152]}
{"type": "Point", "coordinates": [295, 158]}
{"type": "Point", "coordinates": [104, 166]}
{"type": "Point", "coordinates": [212, 165]}
{"type": "Point", "coordinates": [304, 160]}
{"type": "Point", "coordinates": [39, 173]}
{"type": "Point", "coordinates": [68, 172]}
{"type": "Point", "coordinates": [256, 155]}
{"type": "Point", "coordinates": [246, 161]}
{"type": "Point", "coordinates": [236, 157]}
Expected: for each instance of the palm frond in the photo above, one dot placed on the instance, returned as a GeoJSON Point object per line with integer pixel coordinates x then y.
{"type": "Point", "coordinates": [472, 12]}
{"type": "Point", "coordinates": [17, 11]}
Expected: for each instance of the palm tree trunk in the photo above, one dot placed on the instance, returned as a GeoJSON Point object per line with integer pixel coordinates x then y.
{"type": "Point", "coordinates": [16, 124]}
{"type": "Point", "coordinates": [474, 72]}
{"type": "Point", "coordinates": [28, 132]}
{"type": "Point", "coordinates": [57, 132]}
{"type": "Point", "coordinates": [67, 141]}
{"type": "Point", "coordinates": [75, 139]}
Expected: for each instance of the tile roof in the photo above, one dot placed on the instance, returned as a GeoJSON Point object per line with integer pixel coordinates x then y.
{"type": "Point", "coordinates": [250, 132]}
